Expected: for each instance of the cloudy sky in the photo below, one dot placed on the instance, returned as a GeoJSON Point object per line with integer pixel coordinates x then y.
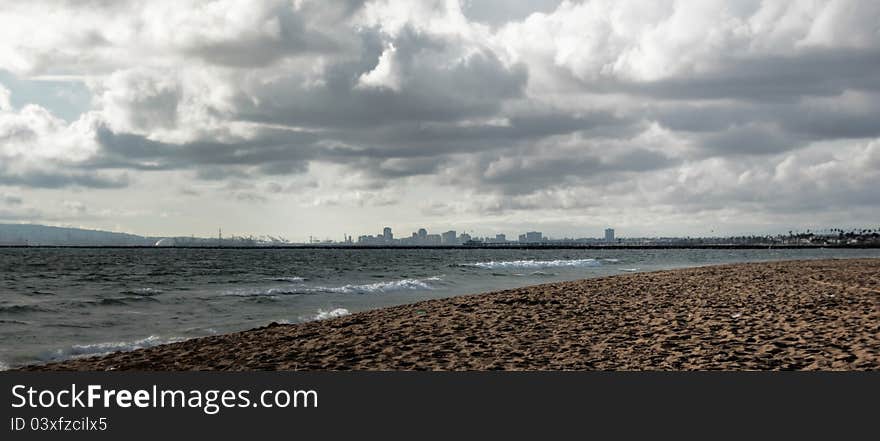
{"type": "Point", "coordinates": [301, 117]}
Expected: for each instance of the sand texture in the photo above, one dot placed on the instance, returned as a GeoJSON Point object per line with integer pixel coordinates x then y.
{"type": "Point", "coordinates": [813, 315]}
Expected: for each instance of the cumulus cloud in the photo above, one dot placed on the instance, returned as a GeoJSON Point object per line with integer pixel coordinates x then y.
{"type": "Point", "coordinates": [38, 149]}
{"type": "Point", "coordinates": [489, 108]}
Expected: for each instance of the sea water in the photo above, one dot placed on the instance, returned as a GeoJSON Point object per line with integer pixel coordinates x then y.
{"type": "Point", "coordinates": [57, 304]}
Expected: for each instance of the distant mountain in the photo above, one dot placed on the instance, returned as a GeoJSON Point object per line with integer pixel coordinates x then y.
{"type": "Point", "coordinates": [28, 234]}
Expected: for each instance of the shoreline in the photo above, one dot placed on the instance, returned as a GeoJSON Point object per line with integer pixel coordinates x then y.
{"type": "Point", "coordinates": [806, 314]}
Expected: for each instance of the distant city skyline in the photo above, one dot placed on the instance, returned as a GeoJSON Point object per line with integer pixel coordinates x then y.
{"type": "Point", "coordinates": [316, 118]}
{"type": "Point", "coordinates": [38, 235]}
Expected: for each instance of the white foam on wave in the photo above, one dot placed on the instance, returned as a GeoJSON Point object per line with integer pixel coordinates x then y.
{"type": "Point", "coordinates": [88, 350]}
{"type": "Point", "coordinates": [560, 263]}
{"type": "Point", "coordinates": [333, 313]}
{"type": "Point", "coordinates": [292, 279]}
{"type": "Point", "coordinates": [379, 287]}
{"type": "Point", "coordinates": [144, 291]}
{"type": "Point", "coordinates": [3, 366]}
{"type": "Point", "coordinates": [368, 288]}
{"type": "Point", "coordinates": [320, 315]}
{"type": "Point", "coordinates": [612, 260]}
{"type": "Point", "coordinates": [629, 270]}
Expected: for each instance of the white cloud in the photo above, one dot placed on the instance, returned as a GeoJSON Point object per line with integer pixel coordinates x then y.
{"type": "Point", "coordinates": [385, 74]}
{"type": "Point", "coordinates": [644, 109]}
{"type": "Point", "coordinates": [648, 41]}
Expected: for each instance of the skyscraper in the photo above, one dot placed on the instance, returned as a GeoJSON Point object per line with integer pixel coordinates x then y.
{"type": "Point", "coordinates": [386, 233]}
{"type": "Point", "coordinates": [609, 235]}
{"type": "Point", "coordinates": [533, 236]}
{"type": "Point", "coordinates": [449, 238]}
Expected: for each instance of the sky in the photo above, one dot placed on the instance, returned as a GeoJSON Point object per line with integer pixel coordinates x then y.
{"type": "Point", "coordinates": [323, 118]}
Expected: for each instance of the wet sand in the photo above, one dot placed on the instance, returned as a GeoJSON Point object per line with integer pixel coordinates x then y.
{"type": "Point", "coordinates": [811, 315]}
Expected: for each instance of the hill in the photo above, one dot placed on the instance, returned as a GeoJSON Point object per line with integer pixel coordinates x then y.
{"type": "Point", "coordinates": [30, 234]}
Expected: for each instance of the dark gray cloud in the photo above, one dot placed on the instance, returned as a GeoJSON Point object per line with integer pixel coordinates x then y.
{"type": "Point", "coordinates": [54, 179]}
{"type": "Point", "coordinates": [436, 85]}
{"type": "Point", "coordinates": [533, 170]}
{"type": "Point", "coordinates": [274, 152]}
{"type": "Point", "coordinates": [779, 78]}
{"type": "Point", "coordinates": [413, 139]}
{"type": "Point", "coordinates": [749, 140]}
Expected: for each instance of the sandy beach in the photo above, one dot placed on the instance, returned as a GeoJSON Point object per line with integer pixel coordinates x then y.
{"type": "Point", "coordinates": [798, 315]}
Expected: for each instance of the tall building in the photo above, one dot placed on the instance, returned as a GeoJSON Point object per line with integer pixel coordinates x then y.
{"type": "Point", "coordinates": [609, 235]}
{"type": "Point", "coordinates": [533, 236]}
{"type": "Point", "coordinates": [500, 238]}
{"type": "Point", "coordinates": [423, 233]}
{"type": "Point", "coordinates": [449, 238]}
{"type": "Point", "coordinates": [464, 238]}
{"type": "Point", "coordinates": [386, 233]}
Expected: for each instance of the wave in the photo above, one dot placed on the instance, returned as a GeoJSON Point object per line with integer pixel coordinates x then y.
{"type": "Point", "coordinates": [321, 315]}
{"type": "Point", "coordinates": [114, 301]}
{"type": "Point", "coordinates": [368, 288]}
{"type": "Point", "coordinates": [143, 291]}
{"type": "Point", "coordinates": [629, 270]}
{"type": "Point", "coordinates": [378, 287]}
{"type": "Point", "coordinates": [3, 366]}
{"type": "Point", "coordinates": [292, 279]}
{"type": "Point", "coordinates": [258, 298]}
{"type": "Point", "coordinates": [612, 260]}
{"type": "Point", "coordinates": [21, 309]}
{"type": "Point", "coordinates": [535, 263]}
{"type": "Point", "coordinates": [333, 313]}
{"type": "Point", "coordinates": [68, 325]}
{"type": "Point", "coordinates": [88, 350]}
{"type": "Point", "coordinates": [40, 293]}
{"type": "Point", "coordinates": [533, 273]}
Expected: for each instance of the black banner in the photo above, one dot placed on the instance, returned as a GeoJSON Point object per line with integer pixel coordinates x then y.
{"type": "Point", "coordinates": [415, 405]}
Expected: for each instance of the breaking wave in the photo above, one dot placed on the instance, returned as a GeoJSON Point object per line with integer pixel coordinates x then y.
{"type": "Point", "coordinates": [535, 264]}
{"type": "Point", "coordinates": [143, 291]}
{"type": "Point", "coordinates": [378, 287]}
{"type": "Point", "coordinates": [369, 288]}
{"type": "Point", "coordinates": [88, 350]}
{"type": "Point", "coordinates": [333, 313]}
{"type": "Point", "coordinates": [291, 279]}
{"type": "Point", "coordinates": [321, 315]}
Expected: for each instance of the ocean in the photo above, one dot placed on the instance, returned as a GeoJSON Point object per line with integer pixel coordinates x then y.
{"type": "Point", "coordinates": [57, 304]}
